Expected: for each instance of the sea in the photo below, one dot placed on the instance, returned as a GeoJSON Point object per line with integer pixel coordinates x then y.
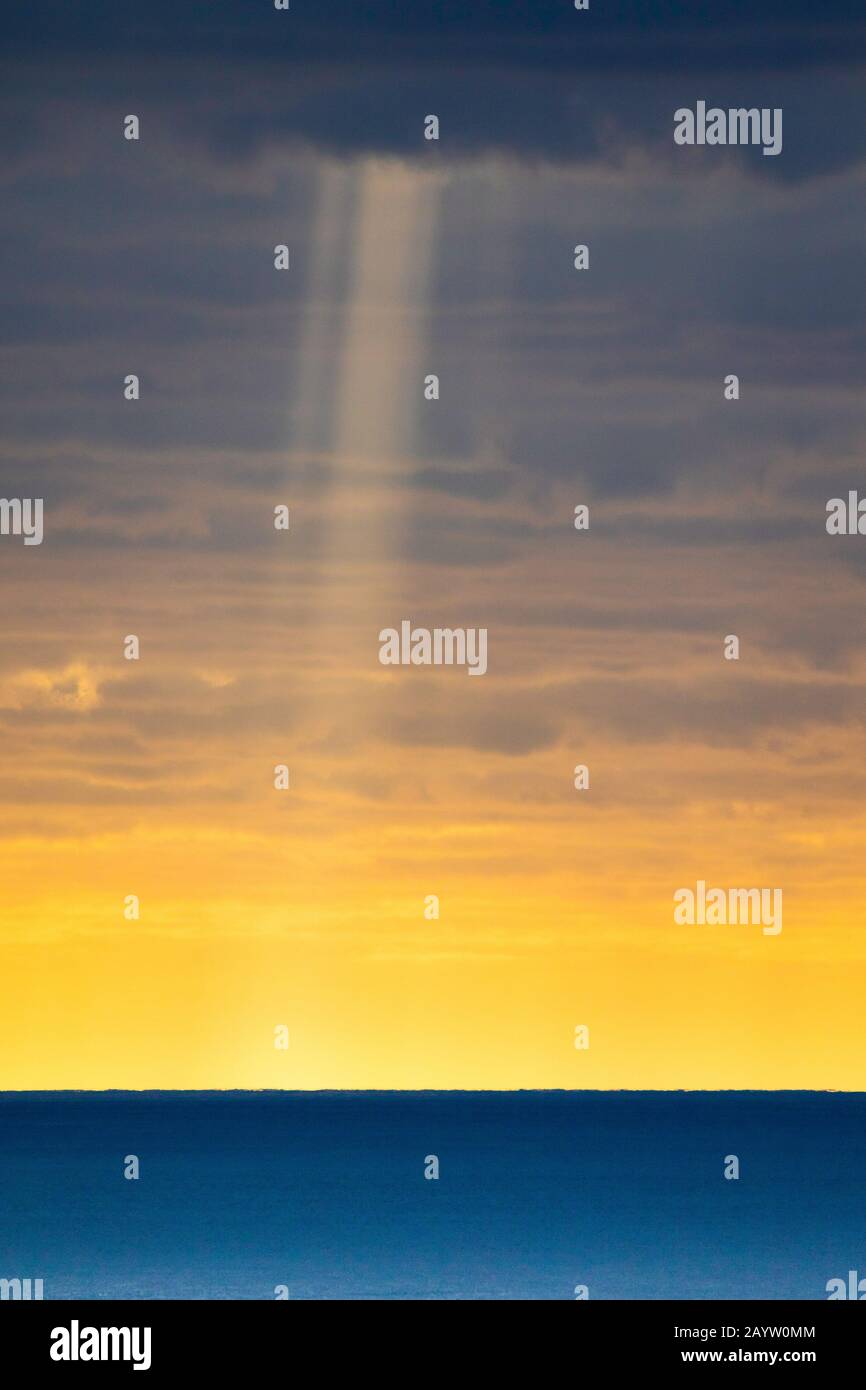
{"type": "Point", "coordinates": [432, 1195]}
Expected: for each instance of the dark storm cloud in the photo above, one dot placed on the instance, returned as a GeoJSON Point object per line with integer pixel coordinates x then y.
{"type": "Point", "coordinates": [525, 33]}
{"type": "Point", "coordinates": [156, 259]}
{"type": "Point", "coordinates": [530, 77]}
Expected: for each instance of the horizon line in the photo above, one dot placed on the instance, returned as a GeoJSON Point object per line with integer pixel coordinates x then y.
{"type": "Point", "coordinates": [428, 1091]}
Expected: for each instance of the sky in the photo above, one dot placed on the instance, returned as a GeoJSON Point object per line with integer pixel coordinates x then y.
{"type": "Point", "coordinates": [305, 908]}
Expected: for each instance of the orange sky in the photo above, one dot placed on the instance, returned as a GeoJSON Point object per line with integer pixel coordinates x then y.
{"type": "Point", "coordinates": [306, 908]}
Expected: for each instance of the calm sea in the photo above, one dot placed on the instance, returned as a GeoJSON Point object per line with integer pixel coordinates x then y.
{"type": "Point", "coordinates": [538, 1192]}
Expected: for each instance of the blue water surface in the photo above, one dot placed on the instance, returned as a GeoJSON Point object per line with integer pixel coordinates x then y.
{"type": "Point", "coordinates": [538, 1192]}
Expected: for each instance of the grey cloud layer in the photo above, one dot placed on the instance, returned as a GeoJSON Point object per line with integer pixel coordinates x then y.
{"type": "Point", "coordinates": [558, 387]}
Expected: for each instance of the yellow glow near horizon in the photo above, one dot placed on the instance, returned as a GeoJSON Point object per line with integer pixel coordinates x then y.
{"type": "Point", "coordinates": [307, 908]}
